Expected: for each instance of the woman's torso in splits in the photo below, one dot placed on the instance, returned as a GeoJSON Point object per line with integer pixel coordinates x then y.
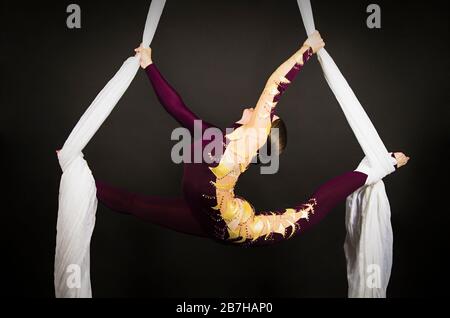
{"type": "Point", "coordinates": [209, 189]}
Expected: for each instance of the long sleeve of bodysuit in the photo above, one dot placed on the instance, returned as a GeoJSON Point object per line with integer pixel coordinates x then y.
{"type": "Point", "coordinates": [291, 75]}
{"type": "Point", "coordinates": [262, 117]}
{"type": "Point", "coordinates": [277, 84]}
{"type": "Point", "coordinates": [283, 84]}
{"type": "Point", "coordinates": [172, 101]}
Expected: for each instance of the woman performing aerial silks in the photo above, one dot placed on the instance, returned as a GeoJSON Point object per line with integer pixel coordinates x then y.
{"type": "Point", "coordinates": [209, 206]}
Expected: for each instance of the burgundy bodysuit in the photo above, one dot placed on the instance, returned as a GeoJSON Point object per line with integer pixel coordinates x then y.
{"type": "Point", "coordinates": [193, 213]}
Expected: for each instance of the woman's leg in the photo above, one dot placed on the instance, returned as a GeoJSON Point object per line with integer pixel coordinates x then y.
{"type": "Point", "coordinates": [329, 195]}
{"type": "Point", "coordinates": [283, 224]}
{"type": "Point", "coordinates": [172, 213]}
{"type": "Point", "coordinates": [335, 191]}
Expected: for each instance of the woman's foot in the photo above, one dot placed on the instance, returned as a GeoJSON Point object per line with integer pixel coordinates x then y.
{"type": "Point", "coordinates": [401, 158]}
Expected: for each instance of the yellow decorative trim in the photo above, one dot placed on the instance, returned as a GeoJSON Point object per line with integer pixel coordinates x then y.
{"type": "Point", "coordinates": [242, 222]}
{"type": "Point", "coordinates": [221, 171]}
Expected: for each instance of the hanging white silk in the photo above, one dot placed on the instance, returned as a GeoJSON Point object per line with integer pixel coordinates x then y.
{"type": "Point", "coordinates": [368, 245]}
{"type": "Point", "coordinates": [77, 192]}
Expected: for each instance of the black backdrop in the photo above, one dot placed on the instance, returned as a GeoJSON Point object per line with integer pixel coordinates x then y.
{"type": "Point", "coordinates": [218, 55]}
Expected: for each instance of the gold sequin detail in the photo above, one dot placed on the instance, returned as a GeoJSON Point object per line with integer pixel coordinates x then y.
{"type": "Point", "coordinates": [243, 224]}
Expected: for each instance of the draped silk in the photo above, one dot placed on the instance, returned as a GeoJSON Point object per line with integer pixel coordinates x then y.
{"type": "Point", "coordinates": [77, 192]}
{"type": "Point", "coordinates": [368, 245]}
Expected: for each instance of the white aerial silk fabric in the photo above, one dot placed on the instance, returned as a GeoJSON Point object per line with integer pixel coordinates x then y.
{"type": "Point", "coordinates": [77, 192]}
{"type": "Point", "coordinates": [368, 245]}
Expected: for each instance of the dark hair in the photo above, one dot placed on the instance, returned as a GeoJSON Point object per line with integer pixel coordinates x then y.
{"type": "Point", "coordinates": [280, 143]}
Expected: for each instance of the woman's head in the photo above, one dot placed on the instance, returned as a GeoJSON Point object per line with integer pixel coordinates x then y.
{"type": "Point", "coordinates": [277, 140]}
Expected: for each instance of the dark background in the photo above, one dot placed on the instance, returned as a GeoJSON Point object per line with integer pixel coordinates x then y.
{"type": "Point", "coordinates": [218, 55]}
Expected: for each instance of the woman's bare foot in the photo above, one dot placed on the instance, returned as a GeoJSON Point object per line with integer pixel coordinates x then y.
{"type": "Point", "coordinates": [401, 158]}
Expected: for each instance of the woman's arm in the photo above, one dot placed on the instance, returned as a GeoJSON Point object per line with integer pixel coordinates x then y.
{"type": "Point", "coordinates": [280, 80]}
{"type": "Point", "coordinates": [172, 101]}
{"type": "Point", "coordinates": [168, 97]}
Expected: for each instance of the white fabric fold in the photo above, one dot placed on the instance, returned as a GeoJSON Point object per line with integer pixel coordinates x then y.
{"type": "Point", "coordinates": [77, 192]}
{"type": "Point", "coordinates": [368, 245]}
